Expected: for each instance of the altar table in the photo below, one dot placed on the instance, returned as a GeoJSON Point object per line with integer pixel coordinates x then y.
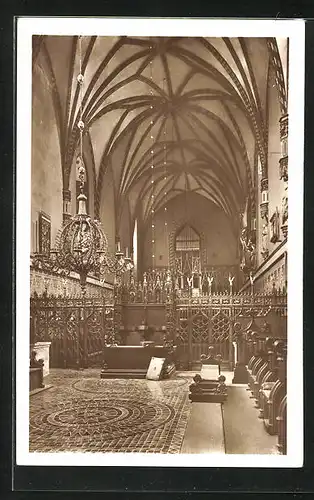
{"type": "Point", "coordinates": [133, 361]}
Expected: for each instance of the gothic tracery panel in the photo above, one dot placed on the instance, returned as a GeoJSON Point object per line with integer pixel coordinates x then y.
{"type": "Point", "coordinates": [220, 333]}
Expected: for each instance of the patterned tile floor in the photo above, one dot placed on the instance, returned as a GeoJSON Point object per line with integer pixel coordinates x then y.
{"type": "Point", "coordinates": [82, 412]}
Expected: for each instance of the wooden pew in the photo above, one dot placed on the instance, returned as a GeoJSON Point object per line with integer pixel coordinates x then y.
{"type": "Point", "coordinates": [257, 361]}
{"type": "Point", "coordinates": [272, 395]}
{"type": "Point", "coordinates": [269, 380]}
{"type": "Point", "coordinates": [282, 427]}
{"type": "Point", "coordinates": [267, 375]}
{"type": "Point", "coordinates": [266, 369]}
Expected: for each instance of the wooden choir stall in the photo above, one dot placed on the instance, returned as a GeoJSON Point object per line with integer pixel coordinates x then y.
{"type": "Point", "coordinates": [264, 358]}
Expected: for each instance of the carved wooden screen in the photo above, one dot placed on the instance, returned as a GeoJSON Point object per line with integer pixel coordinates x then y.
{"type": "Point", "coordinates": [60, 326]}
{"type": "Point", "coordinates": [200, 331]}
{"type": "Point", "coordinates": [221, 332]}
{"type": "Point", "coordinates": [200, 327]}
{"type": "Point", "coordinates": [183, 337]}
{"type": "Point", "coordinates": [77, 330]}
{"type": "Point", "coordinates": [94, 339]}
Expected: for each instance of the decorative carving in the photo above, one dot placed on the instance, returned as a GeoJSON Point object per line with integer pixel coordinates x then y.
{"type": "Point", "coordinates": [221, 387]}
{"type": "Point", "coordinates": [248, 257]}
{"type": "Point", "coordinates": [264, 211]}
{"type": "Point", "coordinates": [210, 356]}
{"type": "Point", "coordinates": [284, 230]}
{"type": "Point", "coordinates": [209, 391]}
{"type": "Point", "coordinates": [132, 288]}
{"type": "Point", "coordinates": [264, 250]}
{"type": "Point", "coordinates": [44, 223]}
{"type": "Point", "coordinates": [237, 331]}
{"type": "Point", "coordinates": [283, 168]}
{"type": "Point", "coordinates": [283, 124]}
{"type": "Point", "coordinates": [264, 184]}
{"type": "Point", "coordinates": [66, 204]}
{"type": "Point", "coordinates": [231, 279]}
{"type": "Point", "coordinates": [178, 263]}
{"type": "Point", "coordinates": [34, 362]}
{"type": "Point", "coordinates": [190, 281]}
{"type": "Point", "coordinates": [284, 218]}
{"type": "Point", "coordinates": [275, 226]}
{"type": "Point", "coordinates": [196, 265]}
{"type": "Point", "coordinates": [53, 284]}
{"type": "Point", "coordinates": [283, 162]}
{"type": "Point", "coordinates": [168, 280]}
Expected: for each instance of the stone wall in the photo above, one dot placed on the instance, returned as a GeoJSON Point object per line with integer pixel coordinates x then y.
{"type": "Point", "coordinates": [276, 187]}
{"type": "Point", "coordinates": [46, 175]}
{"type": "Point", "coordinates": [219, 245]}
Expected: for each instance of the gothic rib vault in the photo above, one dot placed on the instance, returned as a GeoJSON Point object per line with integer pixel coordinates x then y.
{"type": "Point", "coordinates": [199, 104]}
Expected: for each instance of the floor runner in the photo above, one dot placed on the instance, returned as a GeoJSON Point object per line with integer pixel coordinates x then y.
{"type": "Point", "coordinates": [244, 431]}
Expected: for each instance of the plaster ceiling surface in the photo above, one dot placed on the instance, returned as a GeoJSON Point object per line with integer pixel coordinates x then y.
{"type": "Point", "coordinates": [167, 115]}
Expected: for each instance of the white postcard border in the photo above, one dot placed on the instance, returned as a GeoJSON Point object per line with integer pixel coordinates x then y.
{"type": "Point", "coordinates": [295, 30]}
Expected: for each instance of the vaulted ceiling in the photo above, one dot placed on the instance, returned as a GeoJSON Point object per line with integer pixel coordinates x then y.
{"type": "Point", "coordinates": [166, 115]}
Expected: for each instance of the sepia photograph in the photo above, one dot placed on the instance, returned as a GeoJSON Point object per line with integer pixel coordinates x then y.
{"type": "Point", "coordinates": [159, 291]}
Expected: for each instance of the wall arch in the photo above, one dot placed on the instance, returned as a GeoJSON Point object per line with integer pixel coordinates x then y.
{"type": "Point", "coordinates": [107, 211]}
{"type": "Point", "coordinates": [46, 170]}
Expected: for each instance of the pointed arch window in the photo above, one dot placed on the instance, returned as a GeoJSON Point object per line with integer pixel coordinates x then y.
{"type": "Point", "coordinates": [187, 240]}
{"type": "Point", "coordinates": [187, 249]}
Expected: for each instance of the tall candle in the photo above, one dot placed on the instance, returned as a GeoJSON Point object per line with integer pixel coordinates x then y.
{"type": "Point", "coordinates": [127, 252]}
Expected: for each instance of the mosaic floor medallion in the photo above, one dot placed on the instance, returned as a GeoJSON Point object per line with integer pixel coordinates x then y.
{"type": "Point", "coordinates": [92, 414]}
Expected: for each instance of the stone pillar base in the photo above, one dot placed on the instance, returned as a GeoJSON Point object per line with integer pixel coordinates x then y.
{"type": "Point", "coordinates": [42, 352]}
